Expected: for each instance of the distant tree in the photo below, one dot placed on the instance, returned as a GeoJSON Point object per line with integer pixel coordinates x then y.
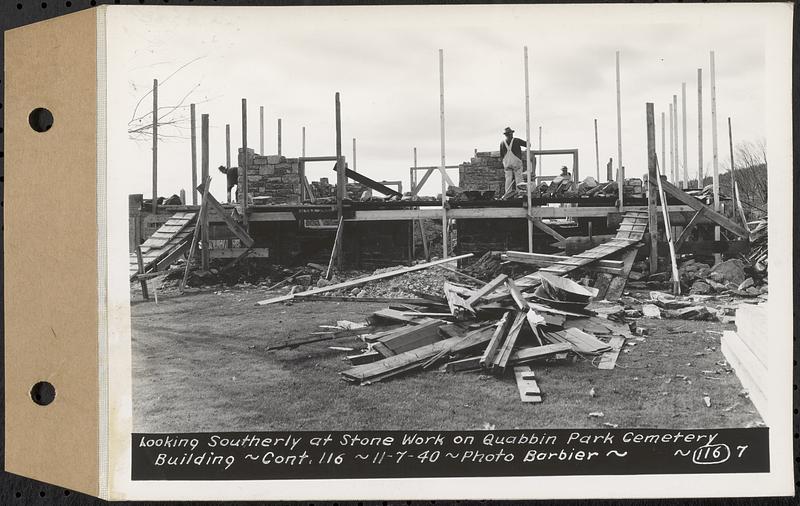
{"type": "Point", "coordinates": [751, 176]}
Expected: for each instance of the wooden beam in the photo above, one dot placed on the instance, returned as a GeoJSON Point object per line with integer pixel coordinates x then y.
{"type": "Point", "coordinates": [196, 235]}
{"type": "Point", "coordinates": [529, 178]}
{"type": "Point", "coordinates": [361, 281]}
{"type": "Point", "coordinates": [155, 146]}
{"type": "Point", "coordinates": [237, 252]}
{"type": "Point", "coordinates": [486, 289]}
{"type": "Point", "coordinates": [370, 183]}
{"type": "Point", "coordinates": [244, 192]}
{"type": "Point", "coordinates": [140, 261]}
{"type": "Point", "coordinates": [204, 159]}
{"type": "Point", "coordinates": [445, 239]}
{"type": "Point", "coordinates": [700, 128]}
{"type": "Point", "coordinates": [526, 385]}
{"type": "Point", "coordinates": [234, 227]}
{"type": "Point", "coordinates": [335, 248]}
{"type": "Point", "coordinates": [687, 230]}
{"type": "Point", "coordinates": [710, 214]}
{"type": "Point", "coordinates": [341, 178]}
{"type": "Point", "coordinates": [279, 138]}
{"type": "Point", "coordinates": [538, 223]}
{"type": "Point", "coordinates": [193, 135]}
{"type": "Point", "coordinates": [620, 174]}
{"type": "Point", "coordinates": [652, 195]}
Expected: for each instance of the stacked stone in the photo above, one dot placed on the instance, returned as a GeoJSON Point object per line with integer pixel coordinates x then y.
{"type": "Point", "coordinates": [323, 189]}
{"type": "Point", "coordinates": [484, 172]}
{"type": "Point", "coordinates": [633, 187]}
{"type": "Point", "coordinates": [272, 176]}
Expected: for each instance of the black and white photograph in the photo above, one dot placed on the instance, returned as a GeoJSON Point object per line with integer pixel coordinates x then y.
{"type": "Point", "coordinates": [483, 218]}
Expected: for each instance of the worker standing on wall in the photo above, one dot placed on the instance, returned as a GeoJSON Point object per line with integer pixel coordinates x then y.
{"type": "Point", "coordinates": [511, 154]}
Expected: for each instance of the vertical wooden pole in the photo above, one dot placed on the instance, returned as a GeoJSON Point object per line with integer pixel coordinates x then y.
{"type": "Point", "coordinates": [677, 166]}
{"type": "Point", "coordinates": [244, 193]}
{"type": "Point", "coordinates": [341, 181]}
{"type": "Point", "coordinates": [539, 158]}
{"type": "Point", "coordinates": [155, 146]}
{"type": "Point", "coordinates": [733, 166]}
{"type": "Point", "coordinates": [700, 128]}
{"type": "Point", "coordinates": [204, 162]}
{"type": "Point", "coordinates": [279, 137]}
{"type": "Point", "coordinates": [662, 162]}
{"type": "Point", "coordinates": [652, 188]}
{"type": "Point", "coordinates": [183, 197]}
{"type": "Point", "coordinates": [443, 164]}
{"type": "Point", "coordinates": [529, 179]}
{"type": "Point", "coordinates": [137, 239]}
{"type": "Point", "coordinates": [227, 156]}
{"type": "Point", "coordinates": [714, 148]}
{"type": "Point", "coordinates": [193, 127]}
{"type": "Point", "coordinates": [669, 170]}
{"type": "Point", "coordinates": [596, 151]}
{"type": "Point", "coordinates": [261, 130]}
{"type": "Point", "coordinates": [620, 173]}
{"type": "Point", "coordinates": [354, 155]}
{"type": "Point", "coordinates": [303, 151]}
{"type": "Point", "coordinates": [414, 174]}
{"type": "Point", "coordinates": [685, 149]}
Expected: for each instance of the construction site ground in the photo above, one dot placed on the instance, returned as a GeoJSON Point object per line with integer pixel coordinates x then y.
{"type": "Point", "coordinates": [200, 363]}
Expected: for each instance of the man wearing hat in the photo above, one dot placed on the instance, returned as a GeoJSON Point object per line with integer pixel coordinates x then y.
{"type": "Point", "coordinates": [511, 154]}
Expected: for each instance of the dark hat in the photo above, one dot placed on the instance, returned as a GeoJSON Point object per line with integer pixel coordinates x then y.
{"type": "Point", "coordinates": [508, 131]}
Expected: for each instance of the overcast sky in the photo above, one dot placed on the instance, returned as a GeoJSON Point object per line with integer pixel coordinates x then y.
{"type": "Point", "coordinates": [384, 62]}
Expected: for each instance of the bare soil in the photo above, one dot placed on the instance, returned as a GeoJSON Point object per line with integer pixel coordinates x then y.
{"type": "Point", "coordinates": [200, 363]}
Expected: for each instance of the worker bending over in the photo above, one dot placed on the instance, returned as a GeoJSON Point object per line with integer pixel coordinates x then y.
{"type": "Point", "coordinates": [232, 174]}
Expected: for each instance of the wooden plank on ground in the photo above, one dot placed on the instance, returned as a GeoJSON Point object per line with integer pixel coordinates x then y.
{"type": "Point", "coordinates": [360, 281]}
{"type": "Point", "coordinates": [524, 355]}
{"type": "Point", "coordinates": [526, 384]}
{"type": "Point", "coordinates": [486, 289]}
{"type": "Point", "coordinates": [585, 343]}
{"type": "Point", "coordinates": [522, 304]}
{"type": "Point", "coordinates": [609, 359]}
{"type": "Point", "coordinates": [391, 366]}
{"type": "Point", "coordinates": [393, 315]}
{"type": "Point", "coordinates": [464, 364]}
{"type": "Point", "coordinates": [410, 337]}
{"type": "Point", "coordinates": [504, 354]}
{"type": "Point", "coordinates": [458, 306]}
{"type": "Point", "coordinates": [498, 337]}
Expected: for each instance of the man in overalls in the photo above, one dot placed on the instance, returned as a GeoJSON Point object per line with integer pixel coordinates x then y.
{"type": "Point", "coordinates": [511, 154]}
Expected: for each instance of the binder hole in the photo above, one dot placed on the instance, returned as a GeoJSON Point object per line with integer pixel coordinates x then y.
{"type": "Point", "coordinates": [43, 393]}
{"type": "Point", "coordinates": [40, 119]}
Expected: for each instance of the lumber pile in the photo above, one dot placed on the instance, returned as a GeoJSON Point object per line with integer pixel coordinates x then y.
{"type": "Point", "coordinates": [501, 328]}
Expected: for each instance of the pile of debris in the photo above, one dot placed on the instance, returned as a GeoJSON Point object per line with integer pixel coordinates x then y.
{"type": "Point", "coordinates": [732, 276]}
{"type": "Point", "coordinates": [495, 327]}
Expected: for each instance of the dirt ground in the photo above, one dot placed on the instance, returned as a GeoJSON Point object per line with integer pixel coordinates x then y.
{"type": "Point", "coordinates": [200, 363]}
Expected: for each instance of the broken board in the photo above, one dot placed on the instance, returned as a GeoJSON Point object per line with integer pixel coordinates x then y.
{"type": "Point", "coordinates": [526, 384]}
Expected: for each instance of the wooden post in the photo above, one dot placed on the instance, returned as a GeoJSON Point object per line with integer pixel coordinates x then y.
{"type": "Point", "coordinates": [610, 170]}
{"type": "Point", "coordinates": [414, 174]}
{"type": "Point", "coordinates": [341, 181]}
{"type": "Point", "coordinates": [662, 162]}
{"type": "Point", "coordinates": [733, 167]}
{"type": "Point", "coordinates": [227, 146]}
{"type": "Point", "coordinates": [596, 151]}
{"type": "Point", "coordinates": [620, 173]}
{"type": "Point", "coordinates": [261, 130]}
{"type": "Point", "coordinates": [137, 239]}
{"type": "Point", "coordinates": [700, 128]}
{"type": "Point", "coordinates": [354, 155]}
{"type": "Point", "coordinates": [155, 146]}
{"type": "Point", "coordinates": [244, 193]}
{"type": "Point", "coordinates": [193, 127]}
{"type": "Point", "coordinates": [443, 164]}
{"type": "Point", "coordinates": [279, 137]}
{"type": "Point", "coordinates": [539, 159]}
{"type": "Point", "coordinates": [652, 189]}
{"type": "Point", "coordinates": [714, 149]}
{"type": "Point", "coordinates": [204, 157]}
{"type": "Point", "coordinates": [303, 151]}
{"type": "Point", "coordinates": [669, 170]}
{"type": "Point", "coordinates": [529, 179]}
{"type": "Point", "coordinates": [183, 197]}
{"type": "Point", "coordinates": [685, 149]}
{"type": "Point", "coordinates": [677, 166]}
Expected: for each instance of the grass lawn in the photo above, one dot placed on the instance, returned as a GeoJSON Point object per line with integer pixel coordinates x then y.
{"type": "Point", "coordinates": [200, 364]}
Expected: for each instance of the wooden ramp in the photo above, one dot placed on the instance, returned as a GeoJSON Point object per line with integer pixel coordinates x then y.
{"type": "Point", "coordinates": [631, 231]}
{"type": "Point", "coordinates": [166, 244]}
